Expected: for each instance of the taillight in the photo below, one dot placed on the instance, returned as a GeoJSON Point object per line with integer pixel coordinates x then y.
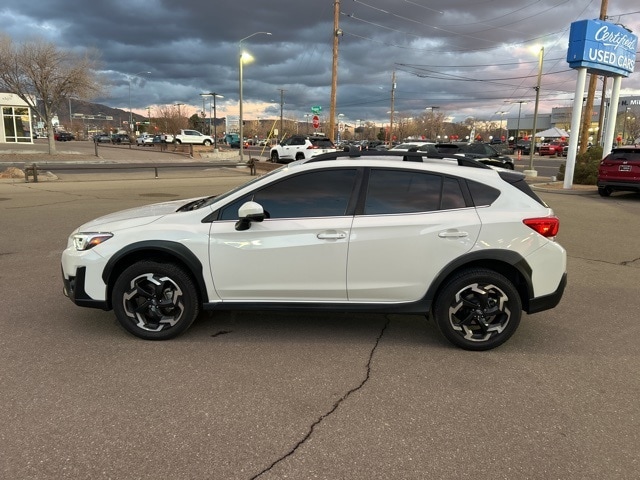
{"type": "Point", "coordinates": [545, 226]}
{"type": "Point", "coordinates": [311, 147]}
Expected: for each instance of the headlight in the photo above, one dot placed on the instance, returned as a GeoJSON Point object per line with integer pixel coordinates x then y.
{"type": "Point", "coordinates": [88, 240]}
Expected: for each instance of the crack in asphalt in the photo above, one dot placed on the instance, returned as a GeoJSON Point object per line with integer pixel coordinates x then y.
{"type": "Point", "coordinates": [623, 263]}
{"type": "Point", "coordinates": [332, 409]}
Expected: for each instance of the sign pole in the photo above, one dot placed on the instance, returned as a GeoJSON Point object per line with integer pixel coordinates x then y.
{"type": "Point", "coordinates": [575, 128]}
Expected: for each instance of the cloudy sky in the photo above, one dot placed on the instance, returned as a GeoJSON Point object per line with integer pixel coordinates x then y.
{"type": "Point", "coordinates": [465, 57]}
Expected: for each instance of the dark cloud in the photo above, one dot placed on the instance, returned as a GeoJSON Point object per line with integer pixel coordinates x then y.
{"type": "Point", "coordinates": [467, 58]}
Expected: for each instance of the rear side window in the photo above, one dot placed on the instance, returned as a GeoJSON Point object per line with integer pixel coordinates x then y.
{"type": "Point", "coordinates": [483, 195]}
{"type": "Point", "coordinates": [394, 191]}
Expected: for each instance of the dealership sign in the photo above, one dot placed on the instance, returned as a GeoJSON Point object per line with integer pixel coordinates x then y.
{"type": "Point", "coordinates": [601, 47]}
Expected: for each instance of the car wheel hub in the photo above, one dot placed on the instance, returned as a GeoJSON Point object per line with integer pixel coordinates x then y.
{"type": "Point", "coordinates": [153, 303]}
{"type": "Point", "coordinates": [479, 312]}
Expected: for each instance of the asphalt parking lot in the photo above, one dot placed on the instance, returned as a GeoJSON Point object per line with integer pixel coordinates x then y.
{"type": "Point", "coordinates": [247, 395]}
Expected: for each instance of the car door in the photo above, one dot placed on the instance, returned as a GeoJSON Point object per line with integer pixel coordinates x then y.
{"type": "Point", "coordinates": [411, 225]}
{"type": "Point", "coordinates": [298, 253]}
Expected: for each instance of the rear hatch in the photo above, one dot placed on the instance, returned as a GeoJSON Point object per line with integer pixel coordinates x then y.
{"type": "Point", "coordinates": [621, 165]}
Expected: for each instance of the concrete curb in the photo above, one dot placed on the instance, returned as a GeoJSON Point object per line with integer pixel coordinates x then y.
{"type": "Point", "coordinates": [557, 187]}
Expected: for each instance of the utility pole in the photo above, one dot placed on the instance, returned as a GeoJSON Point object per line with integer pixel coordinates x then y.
{"type": "Point", "coordinates": [591, 93]}
{"type": "Point", "coordinates": [334, 69]}
{"type": "Point", "coordinates": [393, 96]}
{"type": "Point", "coordinates": [281, 114]}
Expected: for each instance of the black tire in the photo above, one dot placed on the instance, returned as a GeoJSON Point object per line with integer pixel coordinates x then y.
{"type": "Point", "coordinates": [178, 142]}
{"type": "Point", "coordinates": [155, 301]}
{"type": "Point", "coordinates": [299, 156]}
{"type": "Point", "coordinates": [207, 143]}
{"type": "Point", "coordinates": [604, 191]}
{"type": "Point", "coordinates": [477, 309]}
{"type": "Point", "coordinates": [274, 157]}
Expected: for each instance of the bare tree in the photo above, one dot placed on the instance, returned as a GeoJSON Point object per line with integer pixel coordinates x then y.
{"type": "Point", "coordinates": [44, 76]}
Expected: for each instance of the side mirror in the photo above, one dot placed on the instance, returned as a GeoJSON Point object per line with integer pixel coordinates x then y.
{"type": "Point", "coordinates": [247, 213]}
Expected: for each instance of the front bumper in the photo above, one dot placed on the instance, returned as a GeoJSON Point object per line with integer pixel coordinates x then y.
{"type": "Point", "coordinates": [74, 288]}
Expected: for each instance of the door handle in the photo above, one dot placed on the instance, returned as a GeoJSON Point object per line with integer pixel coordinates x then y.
{"type": "Point", "coordinates": [453, 234]}
{"type": "Point", "coordinates": [332, 235]}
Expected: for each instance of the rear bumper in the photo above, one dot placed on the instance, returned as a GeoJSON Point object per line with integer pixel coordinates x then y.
{"type": "Point", "coordinates": [620, 185]}
{"type": "Point", "coordinates": [549, 301]}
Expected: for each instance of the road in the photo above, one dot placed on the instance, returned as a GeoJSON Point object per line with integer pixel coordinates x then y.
{"type": "Point", "coordinates": [281, 395]}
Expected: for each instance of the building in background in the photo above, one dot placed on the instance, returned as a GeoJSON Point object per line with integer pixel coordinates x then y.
{"type": "Point", "coordinates": [16, 120]}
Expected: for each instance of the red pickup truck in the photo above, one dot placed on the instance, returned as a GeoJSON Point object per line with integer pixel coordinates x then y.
{"type": "Point", "coordinates": [553, 148]}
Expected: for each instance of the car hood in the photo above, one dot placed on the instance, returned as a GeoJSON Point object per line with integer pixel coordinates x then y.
{"type": "Point", "coordinates": [135, 216]}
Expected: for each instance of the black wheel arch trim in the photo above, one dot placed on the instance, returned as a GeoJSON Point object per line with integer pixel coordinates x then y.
{"type": "Point", "coordinates": [506, 262]}
{"type": "Point", "coordinates": [163, 247]}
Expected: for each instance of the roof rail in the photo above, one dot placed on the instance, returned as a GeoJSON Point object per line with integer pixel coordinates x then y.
{"type": "Point", "coordinates": [409, 156]}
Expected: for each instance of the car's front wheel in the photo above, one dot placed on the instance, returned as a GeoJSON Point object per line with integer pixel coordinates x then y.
{"type": "Point", "coordinates": [477, 309]}
{"type": "Point", "coordinates": [207, 143]}
{"type": "Point", "coordinates": [274, 157]}
{"type": "Point", "coordinates": [155, 301]}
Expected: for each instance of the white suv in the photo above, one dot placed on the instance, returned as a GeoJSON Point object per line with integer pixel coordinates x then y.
{"type": "Point", "coordinates": [471, 247]}
{"type": "Point", "coordinates": [300, 147]}
{"type": "Point", "coordinates": [194, 137]}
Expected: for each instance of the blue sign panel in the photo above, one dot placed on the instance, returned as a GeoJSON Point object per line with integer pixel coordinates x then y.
{"type": "Point", "coordinates": [601, 47]}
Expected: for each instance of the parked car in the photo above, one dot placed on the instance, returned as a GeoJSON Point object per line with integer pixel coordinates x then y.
{"type": "Point", "coordinates": [552, 148]}
{"type": "Point", "coordinates": [480, 151]}
{"type": "Point", "coordinates": [64, 136]}
{"type": "Point", "coordinates": [193, 137]}
{"type": "Point", "coordinates": [522, 146]}
{"type": "Point", "coordinates": [120, 138]}
{"type": "Point", "coordinates": [620, 170]}
{"type": "Point", "coordinates": [145, 140]}
{"type": "Point", "coordinates": [299, 147]}
{"type": "Point", "coordinates": [102, 138]}
{"type": "Point", "coordinates": [346, 231]}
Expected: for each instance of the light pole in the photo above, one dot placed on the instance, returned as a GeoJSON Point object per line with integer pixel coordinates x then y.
{"type": "Point", "coordinates": [431, 121]}
{"type": "Point", "coordinates": [130, 77]}
{"type": "Point", "coordinates": [306, 116]}
{"type": "Point", "coordinates": [519, 102]}
{"type": "Point", "coordinates": [624, 125]}
{"type": "Point", "coordinates": [340, 115]}
{"type": "Point", "coordinates": [531, 172]}
{"type": "Point", "coordinates": [502, 114]}
{"type": "Point", "coordinates": [242, 57]}
{"type": "Point", "coordinates": [213, 96]}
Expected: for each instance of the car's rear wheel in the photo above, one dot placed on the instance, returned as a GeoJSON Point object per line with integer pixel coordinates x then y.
{"type": "Point", "coordinates": [478, 309]}
{"type": "Point", "coordinates": [155, 301]}
{"type": "Point", "coordinates": [604, 191]}
{"type": "Point", "coordinates": [274, 157]}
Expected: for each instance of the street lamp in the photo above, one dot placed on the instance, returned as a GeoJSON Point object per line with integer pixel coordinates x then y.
{"type": "Point", "coordinates": [130, 77]}
{"type": "Point", "coordinates": [519, 102]}
{"type": "Point", "coordinates": [242, 58]}
{"type": "Point", "coordinates": [502, 114]}
{"type": "Point", "coordinates": [306, 116]}
{"type": "Point", "coordinates": [340, 115]}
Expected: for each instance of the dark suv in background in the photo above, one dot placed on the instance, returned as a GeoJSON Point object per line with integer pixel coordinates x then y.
{"type": "Point", "coordinates": [479, 151]}
{"type": "Point", "coordinates": [620, 171]}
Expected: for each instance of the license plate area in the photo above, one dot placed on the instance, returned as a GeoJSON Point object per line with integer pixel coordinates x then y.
{"type": "Point", "coordinates": [624, 168]}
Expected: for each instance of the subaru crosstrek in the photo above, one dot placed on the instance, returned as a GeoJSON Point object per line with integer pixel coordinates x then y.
{"type": "Point", "coordinates": [470, 246]}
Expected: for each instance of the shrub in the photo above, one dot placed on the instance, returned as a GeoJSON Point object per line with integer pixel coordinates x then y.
{"type": "Point", "coordinates": [586, 168]}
